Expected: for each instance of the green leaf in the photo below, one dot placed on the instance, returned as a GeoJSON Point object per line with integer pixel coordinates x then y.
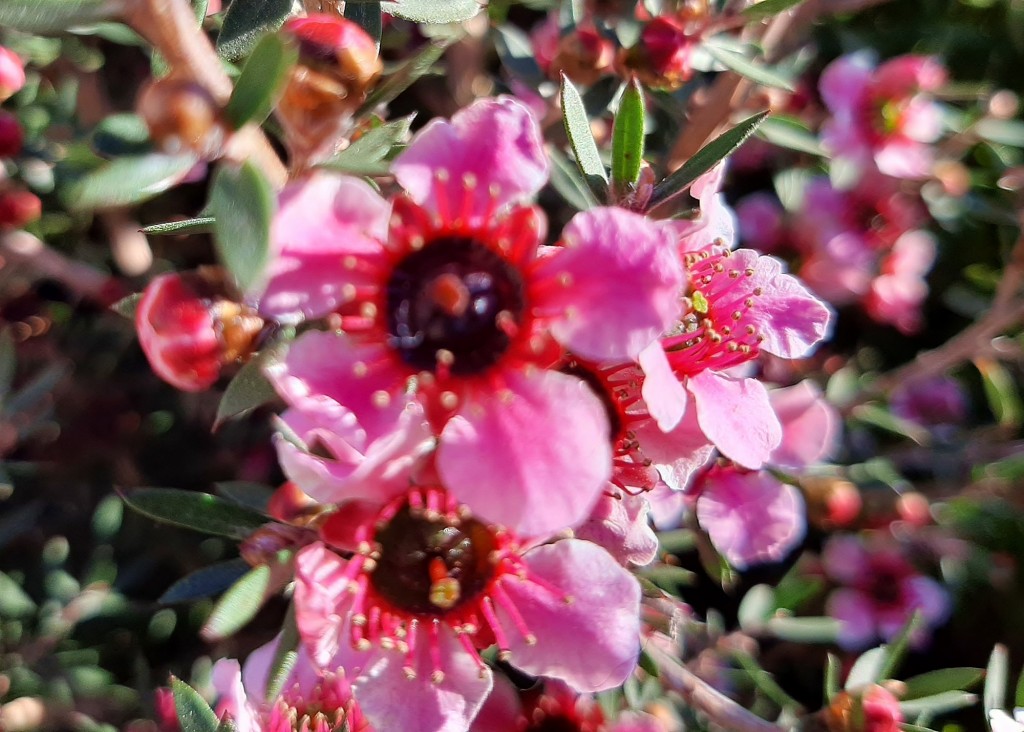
{"type": "Point", "coordinates": [205, 582]}
{"type": "Point", "coordinates": [396, 83]}
{"type": "Point", "coordinates": [568, 181]}
{"type": "Point", "coordinates": [261, 80]}
{"type": "Point", "coordinates": [756, 607]}
{"type": "Point", "coordinates": [746, 67]}
{"type": "Point", "coordinates": [877, 416]}
{"type": "Point", "coordinates": [127, 306]}
{"type": "Point", "coordinates": [804, 630]}
{"type": "Point", "coordinates": [285, 656]}
{"type": "Point", "coordinates": [367, 155]}
{"type": "Point", "coordinates": [833, 668]}
{"type": "Point", "coordinates": [1018, 695]}
{"type": "Point", "coordinates": [245, 22]}
{"type": "Point", "coordinates": [705, 159]}
{"type": "Point", "coordinates": [867, 669]}
{"type": "Point", "coordinates": [790, 133]}
{"type": "Point", "coordinates": [767, 8]}
{"type": "Point", "coordinates": [129, 180]}
{"type": "Point", "coordinates": [432, 11]}
{"type": "Point", "coordinates": [367, 15]}
{"type": "Point", "coordinates": [14, 601]}
{"type": "Point", "coordinates": [1001, 131]}
{"type": "Point", "coordinates": [577, 127]}
{"type": "Point", "coordinates": [46, 16]}
{"type": "Point", "coordinates": [249, 389]}
{"type": "Point", "coordinates": [197, 511]}
{"type": "Point", "coordinates": [669, 577]}
{"type": "Point", "coordinates": [198, 225]}
{"type": "Point", "coordinates": [996, 677]}
{"type": "Point", "coordinates": [516, 53]}
{"type": "Point", "coordinates": [947, 701]}
{"type": "Point", "coordinates": [251, 495]}
{"type": "Point", "coordinates": [628, 137]}
{"type": "Point", "coordinates": [895, 651]}
{"type": "Point", "coordinates": [242, 203]}
{"type": "Point", "coordinates": [945, 679]}
{"type": "Point", "coordinates": [194, 714]}
{"type": "Point", "coordinates": [239, 604]}
{"type": "Point", "coordinates": [1001, 391]}
{"type": "Point", "coordinates": [121, 134]}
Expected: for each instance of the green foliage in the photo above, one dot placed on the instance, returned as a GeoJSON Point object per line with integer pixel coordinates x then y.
{"type": "Point", "coordinates": [197, 511]}
{"type": "Point", "coordinates": [577, 128]}
{"type": "Point", "coordinates": [130, 179]}
{"type": "Point", "coordinates": [628, 137]}
{"type": "Point", "coordinates": [261, 80]}
{"type": "Point", "coordinates": [246, 22]}
{"type": "Point", "coordinates": [242, 206]}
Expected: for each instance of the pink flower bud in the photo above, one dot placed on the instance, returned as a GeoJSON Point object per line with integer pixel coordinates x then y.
{"type": "Point", "coordinates": [18, 207]}
{"type": "Point", "coordinates": [11, 136]}
{"type": "Point", "coordinates": [12, 73]}
{"type": "Point", "coordinates": [881, 710]}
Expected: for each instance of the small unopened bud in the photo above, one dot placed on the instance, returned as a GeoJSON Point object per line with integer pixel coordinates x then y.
{"type": "Point", "coordinates": [12, 73]}
{"type": "Point", "coordinates": [266, 544]}
{"type": "Point", "coordinates": [831, 502]}
{"type": "Point", "coordinates": [11, 136]}
{"type": "Point", "coordinates": [189, 328]}
{"type": "Point", "coordinates": [662, 58]}
{"type": "Point", "coordinates": [182, 116]}
{"type": "Point", "coordinates": [583, 55]}
{"type": "Point", "coordinates": [18, 207]}
{"type": "Point", "coordinates": [914, 508]}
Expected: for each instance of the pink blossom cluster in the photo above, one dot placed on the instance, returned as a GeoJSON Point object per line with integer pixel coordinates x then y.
{"type": "Point", "coordinates": [477, 410]}
{"type": "Point", "coordinates": [18, 206]}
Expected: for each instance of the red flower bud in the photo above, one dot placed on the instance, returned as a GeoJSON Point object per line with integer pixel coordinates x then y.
{"type": "Point", "coordinates": [12, 73]}
{"type": "Point", "coordinates": [18, 207]}
{"type": "Point", "coordinates": [11, 136]}
{"type": "Point", "coordinates": [662, 57]}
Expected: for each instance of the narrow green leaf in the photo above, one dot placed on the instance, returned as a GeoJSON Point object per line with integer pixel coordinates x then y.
{"type": "Point", "coordinates": [127, 306]}
{"type": "Point", "coordinates": [47, 16]}
{"type": "Point", "coordinates": [198, 225]}
{"type": "Point", "coordinates": [705, 159]}
{"type": "Point", "coordinates": [245, 493]}
{"type": "Point", "coordinates": [432, 11]}
{"type": "Point", "coordinates": [227, 724]}
{"type": "Point", "coordinates": [577, 127]}
{"type": "Point", "coordinates": [947, 701]}
{"type": "Point", "coordinates": [765, 682]}
{"type": "Point", "coordinates": [790, 133]}
{"type": "Point", "coordinates": [768, 8]}
{"type": "Point", "coordinates": [568, 181]}
{"type": "Point", "coordinates": [246, 22]}
{"type": "Point", "coordinates": [749, 68]}
{"type": "Point", "coordinates": [756, 607]}
{"type": "Point", "coordinates": [945, 679]}
{"type": "Point", "coordinates": [197, 511]}
{"type": "Point", "coordinates": [261, 80]}
{"type": "Point", "coordinates": [1001, 391]}
{"type": "Point", "coordinates": [367, 14]}
{"type": "Point", "coordinates": [1001, 131]}
{"type": "Point", "coordinates": [242, 203]}
{"type": "Point", "coordinates": [877, 416]}
{"type": "Point", "coordinates": [194, 714]}
{"type": "Point", "coordinates": [833, 667]}
{"type": "Point", "coordinates": [867, 669]}
{"type": "Point", "coordinates": [895, 651]}
{"type": "Point", "coordinates": [396, 83]}
{"type": "Point", "coordinates": [249, 389]}
{"type": "Point", "coordinates": [1018, 696]}
{"type": "Point", "coordinates": [205, 582]}
{"type": "Point", "coordinates": [804, 630]}
{"type": "Point", "coordinates": [368, 154]}
{"type": "Point", "coordinates": [129, 180]}
{"type": "Point", "coordinates": [121, 134]}
{"type": "Point", "coordinates": [239, 604]}
{"type": "Point", "coordinates": [669, 577]}
{"type": "Point", "coordinates": [285, 656]}
{"type": "Point", "coordinates": [996, 678]}
{"type": "Point", "coordinates": [628, 137]}
{"type": "Point", "coordinates": [14, 601]}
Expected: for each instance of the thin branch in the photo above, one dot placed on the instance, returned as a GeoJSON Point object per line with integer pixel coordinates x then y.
{"type": "Point", "coordinates": [20, 247]}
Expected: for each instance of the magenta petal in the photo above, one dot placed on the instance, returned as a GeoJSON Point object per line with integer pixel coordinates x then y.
{"type": "Point", "coordinates": [588, 635]}
{"type": "Point", "coordinates": [844, 83]}
{"type": "Point", "coordinates": [737, 416]}
{"type": "Point", "coordinates": [856, 616]}
{"type": "Point", "coordinates": [392, 701]}
{"type": "Point", "coordinates": [320, 219]}
{"type": "Point", "coordinates": [751, 517]}
{"type": "Point", "coordinates": [810, 425]}
{"type": "Point", "coordinates": [663, 394]}
{"type": "Point", "coordinates": [321, 592]}
{"type": "Point", "coordinates": [620, 284]}
{"type": "Point", "coordinates": [495, 142]}
{"type": "Point", "coordinates": [845, 559]}
{"type": "Point", "coordinates": [509, 456]}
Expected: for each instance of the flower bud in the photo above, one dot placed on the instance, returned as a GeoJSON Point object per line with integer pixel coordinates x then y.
{"type": "Point", "coordinates": [267, 543]}
{"type": "Point", "coordinates": [877, 710]}
{"type": "Point", "coordinates": [189, 329]}
{"type": "Point", "coordinates": [11, 136]}
{"type": "Point", "coordinates": [182, 115]}
{"type": "Point", "coordinates": [662, 57]}
{"type": "Point", "coordinates": [583, 55]}
{"type": "Point", "coordinates": [12, 73]}
{"type": "Point", "coordinates": [18, 207]}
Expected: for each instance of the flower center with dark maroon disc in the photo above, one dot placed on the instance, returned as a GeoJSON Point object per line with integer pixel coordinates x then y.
{"type": "Point", "coordinates": [430, 565]}
{"type": "Point", "coordinates": [453, 302]}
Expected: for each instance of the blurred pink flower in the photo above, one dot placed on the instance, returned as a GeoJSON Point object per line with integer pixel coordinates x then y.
{"type": "Point", "coordinates": [883, 115]}
{"type": "Point", "coordinates": [879, 592]}
{"type": "Point", "coordinates": [11, 135]}
{"type": "Point", "coordinates": [761, 224]}
{"type": "Point", "coordinates": [12, 73]}
{"type": "Point", "coordinates": [929, 402]}
{"type": "Point", "coordinates": [448, 289]}
{"type": "Point", "coordinates": [810, 425]}
{"type": "Point", "coordinates": [881, 710]}
{"type": "Point", "coordinates": [900, 289]}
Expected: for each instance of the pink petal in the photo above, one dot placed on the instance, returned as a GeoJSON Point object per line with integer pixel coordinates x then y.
{"type": "Point", "coordinates": [845, 559]}
{"type": "Point", "coordinates": [667, 507]}
{"type": "Point", "coordinates": [662, 391]}
{"type": "Point", "coordinates": [360, 378]}
{"type": "Point", "coordinates": [676, 454]}
{"type": "Point", "coordinates": [227, 681]}
{"type": "Point", "coordinates": [856, 616]}
{"type": "Point", "coordinates": [620, 284]}
{"type": "Point", "coordinates": [844, 83]}
{"type": "Point", "coordinates": [392, 701]}
{"type": "Point", "coordinates": [590, 641]}
{"type": "Point", "coordinates": [931, 598]}
{"type": "Point", "coordinates": [737, 416]}
{"type": "Point", "coordinates": [902, 157]}
{"type": "Point", "coordinates": [637, 722]}
{"type": "Point", "coordinates": [751, 518]}
{"type": "Point", "coordinates": [257, 668]}
{"type": "Point", "coordinates": [810, 425]}
{"type": "Point", "coordinates": [320, 219]}
{"type": "Point", "coordinates": [619, 524]}
{"type": "Point", "coordinates": [321, 592]}
{"type": "Point", "coordinates": [496, 142]}
{"type": "Point", "coordinates": [509, 457]}
{"type": "Point", "coordinates": [501, 710]}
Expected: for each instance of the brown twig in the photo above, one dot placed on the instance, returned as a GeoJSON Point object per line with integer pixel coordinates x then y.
{"type": "Point", "coordinates": [170, 26]}
{"type": "Point", "coordinates": [20, 247]}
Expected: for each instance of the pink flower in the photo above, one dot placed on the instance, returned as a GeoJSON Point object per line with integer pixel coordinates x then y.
{"type": "Point", "coordinates": [810, 425]}
{"type": "Point", "coordinates": [189, 330]}
{"type": "Point", "coordinates": [11, 136]}
{"type": "Point", "coordinates": [899, 291]}
{"type": "Point", "coordinates": [619, 523]}
{"type": "Point", "coordinates": [933, 401]}
{"type": "Point", "coordinates": [880, 591]}
{"type": "Point", "coordinates": [429, 585]}
{"type": "Point", "coordinates": [18, 207]}
{"type": "Point", "coordinates": [12, 73]}
{"type": "Point", "coordinates": [883, 114]}
{"type": "Point", "coordinates": [448, 291]}
{"type": "Point", "coordinates": [881, 710]}
{"type": "Point", "coordinates": [663, 56]}
{"type": "Point", "coordinates": [310, 700]}
{"type": "Point", "coordinates": [751, 517]}
{"type": "Point", "coordinates": [761, 224]}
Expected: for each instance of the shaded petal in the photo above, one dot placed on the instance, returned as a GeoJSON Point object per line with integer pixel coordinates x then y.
{"type": "Point", "coordinates": [321, 592]}
{"type": "Point", "coordinates": [619, 524]}
{"type": "Point", "coordinates": [549, 476]}
{"type": "Point", "coordinates": [845, 559]}
{"type": "Point", "coordinates": [844, 82]}
{"type": "Point", "coordinates": [668, 506]}
{"type": "Point", "coordinates": [662, 391]}
{"type": "Point", "coordinates": [931, 598]}
{"type": "Point", "coordinates": [751, 517]}
{"type": "Point", "coordinates": [620, 288]}
{"type": "Point", "coordinates": [856, 616]}
{"type": "Point", "coordinates": [736, 415]}
{"type": "Point", "coordinates": [497, 142]}
{"type": "Point", "coordinates": [502, 709]}
{"type": "Point", "coordinates": [227, 681]}
{"type": "Point", "coordinates": [810, 425]}
{"type": "Point", "coordinates": [591, 641]}
{"type": "Point", "coordinates": [320, 219]}
{"type": "Point", "coordinates": [676, 454]}
{"type": "Point", "coordinates": [902, 157]}
{"type": "Point", "coordinates": [392, 701]}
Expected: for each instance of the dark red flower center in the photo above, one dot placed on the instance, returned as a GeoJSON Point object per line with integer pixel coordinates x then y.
{"type": "Point", "coordinates": [430, 563]}
{"type": "Point", "coordinates": [453, 303]}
